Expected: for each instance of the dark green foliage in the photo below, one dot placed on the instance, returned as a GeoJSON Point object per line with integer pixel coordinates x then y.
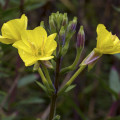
{"type": "Point", "coordinates": [95, 91]}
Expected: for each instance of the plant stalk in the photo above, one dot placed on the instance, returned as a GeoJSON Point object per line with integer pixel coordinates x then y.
{"type": "Point", "coordinates": [72, 79]}
{"type": "Point", "coordinates": [54, 97]}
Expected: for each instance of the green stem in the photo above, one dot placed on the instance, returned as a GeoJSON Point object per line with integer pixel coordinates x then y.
{"type": "Point", "coordinates": [72, 67]}
{"type": "Point", "coordinates": [54, 97]}
{"type": "Point", "coordinates": [47, 76]}
{"type": "Point", "coordinates": [52, 107]}
{"type": "Point", "coordinates": [57, 74]}
{"type": "Point", "coordinates": [72, 79]}
{"type": "Point", "coordinates": [45, 82]}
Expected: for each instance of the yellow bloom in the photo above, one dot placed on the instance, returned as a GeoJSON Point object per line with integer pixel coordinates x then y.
{"type": "Point", "coordinates": [106, 42]}
{"type": "Point", "coordinates": [11, 30]}
{"type": "Point", "coordinates": [35, 45]}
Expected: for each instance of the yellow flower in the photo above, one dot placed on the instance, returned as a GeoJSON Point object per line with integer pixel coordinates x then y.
{"type": "Point", "coordinates": [106, 42]}
{"type": "Point", "coordinates": [35, 45]}
{"type": "Point", "coordinates": [11, 30]}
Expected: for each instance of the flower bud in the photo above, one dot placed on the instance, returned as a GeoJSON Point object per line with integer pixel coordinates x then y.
{"type": "Point", "coordinates": [59, 21]}
{"type": "Point", "coordinates": [65, 19]}
{"type": "Point", "coordinates": [74, 23]}
{"type": "Point", "coordinates": [52, 23]}
{"type": "Point", "coordinates": [69, 26]}
{"type": "Point", "coordinates": [81, 38]}
{"type": "Point", "coordinates": [62, 35]}
{"type": "Point", "coordinates": [42, 24]}
{"type": "Point", "coordinates": [36, 66]}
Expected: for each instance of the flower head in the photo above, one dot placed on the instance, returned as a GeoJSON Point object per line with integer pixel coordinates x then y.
{"type": "Point", "coordinates": [106, 42]}
{"type": "Point", "coordinates": [11, 30]}
{"type": "Point", "coordinates": [35, 45]}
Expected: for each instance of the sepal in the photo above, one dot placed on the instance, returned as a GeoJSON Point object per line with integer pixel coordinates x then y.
{"type": "Point", "coordinates": [91, 59]}
{"type": "Point", "coordinates": [48, 64]}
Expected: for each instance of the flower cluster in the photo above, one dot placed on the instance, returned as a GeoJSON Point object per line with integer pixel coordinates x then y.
{"type": "Point", "coordinates": [32, 45]}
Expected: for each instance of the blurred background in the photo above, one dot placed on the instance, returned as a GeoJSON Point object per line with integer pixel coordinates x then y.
{"type": "Point", "coordinates": [96, 95]}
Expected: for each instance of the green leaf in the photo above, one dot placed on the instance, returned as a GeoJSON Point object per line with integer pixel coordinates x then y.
{"type": "Point", "coordinates": [114, 118]}
{"type": "Point", "coordinates": [32, 100]}
{"type": "Point", "coordinates": [42, 86]}
{"type": "Point", "coordinates": [27, 80]}
{"type": "Point", "coordinates": [70, 88]}
{"type": "Point", "coordinates": [114, 81]}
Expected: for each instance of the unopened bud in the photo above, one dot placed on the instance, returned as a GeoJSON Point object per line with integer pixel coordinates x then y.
{"type": "Point", "coordinates": [36, 66]}
{"type": "Point", "coordinates": [52, 24]}
{"type": "Point", "coordinates": [74, 23]}
{"type": "Point", "coordinates": [42, 24]}
{"type": "Point", "coordinates": [81, 38]}
{"type": "Point", "coordinates": [65, 19]}
{"type": "Point", "coordinates": [69, 26]}
{"type": "Point", "coordinates": [59, 21]}
{"type": "Point", "coordinates": [62, 35]}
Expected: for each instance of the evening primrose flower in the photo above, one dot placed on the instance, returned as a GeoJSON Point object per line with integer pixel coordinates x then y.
{"type": "Point", "coordinates": [106, 44]}
{"type": "Point", "coordinates": [35, 45]}
{"type": "Point", "coordinates": [11, 30]}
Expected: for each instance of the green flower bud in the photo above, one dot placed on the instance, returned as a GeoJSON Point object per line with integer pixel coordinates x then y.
{"type": "Point", "coordinates": [62, 36]}
{"type": "Point", "coordinates": [42, 24]}
{"type": "Point", "coordinates": [65, 19]}
{"type": "Point", "coordinates": [74, 23]}
{"type": "Point", "coordinates": [52, 24]}
{"type": "Point", "coordinates": [36, 66]}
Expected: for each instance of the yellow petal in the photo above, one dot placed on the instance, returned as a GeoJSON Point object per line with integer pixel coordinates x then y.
{"type": "Point", "coordinates": [35, 46]}
{"type": "Point", "coordinates": [13, 28]}
{"type": "Point", "coordinates": [45, 58]}
{"type": "Point", "coordinates": [103, 37]}
{"type": "Point", "coordinates": [50, 44]}
{"type": "Point", "coordinates": [27, 58]}
{"type": "Point", "coordinates": [5, 40]}
{"type": "Point", "coordinates": [35, 38]}
{"type": "Point", "coordinates": [115, 48]}
{"type": "Point", "coordinates": [21, 45]}
{"type": "Point", "coordinates": [106, 42]}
